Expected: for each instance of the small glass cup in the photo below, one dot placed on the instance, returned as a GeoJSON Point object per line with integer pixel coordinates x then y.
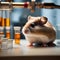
{"type": "Point", "coordinates": [10, 43]}
{"type": "Point", "coordinates": [1, 36]}
{"type": "Point", "coordinates": [4, 43]}
{"type": "Point", "coordinates": [17, 34]}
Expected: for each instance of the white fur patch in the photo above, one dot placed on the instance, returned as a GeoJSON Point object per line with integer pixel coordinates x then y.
{"type": "Point", "coordinates": [37, 38]}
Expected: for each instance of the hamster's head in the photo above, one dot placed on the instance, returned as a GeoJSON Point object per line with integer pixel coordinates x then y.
{"type": "Point", "coordinates": [40, 21]}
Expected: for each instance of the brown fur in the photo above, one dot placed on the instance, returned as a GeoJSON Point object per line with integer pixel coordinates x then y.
{"type": "Point", "coordinates": [47, 29]}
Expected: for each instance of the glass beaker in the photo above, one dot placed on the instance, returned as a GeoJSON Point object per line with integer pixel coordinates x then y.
{"type": "Point", "coordinates": [17, 34]}
{"type": "Point", "coordinates": [8, 32]}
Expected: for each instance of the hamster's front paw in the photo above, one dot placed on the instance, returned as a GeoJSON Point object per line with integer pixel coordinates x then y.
{"type": "Point", "coordinates": [26, 31]}
{"type": "Point", "coordinates": [30, 45]}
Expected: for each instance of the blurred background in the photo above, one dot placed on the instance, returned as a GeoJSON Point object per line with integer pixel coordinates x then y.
{"type": "Point", "coordinates": [19, 16]}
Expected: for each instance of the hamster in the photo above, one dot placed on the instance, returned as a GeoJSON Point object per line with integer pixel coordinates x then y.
{"type": "Point", "coordinates": [39, 29]}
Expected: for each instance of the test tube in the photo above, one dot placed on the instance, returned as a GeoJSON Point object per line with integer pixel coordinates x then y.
{"type": "Point", "coordinates": [17, 34]}
{"type": "Point", "coordinates": [7, 18]}
{"type": "Point", "coordinates": [3, 18]}
{"type": "Point", "coordinates": [8, 32]}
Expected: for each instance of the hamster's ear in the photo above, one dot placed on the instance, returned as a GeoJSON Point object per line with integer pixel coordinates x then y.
{"type": "Point", "coordinates": [29, 17]}
{"type": "Point", "coordinates": [44, 19]}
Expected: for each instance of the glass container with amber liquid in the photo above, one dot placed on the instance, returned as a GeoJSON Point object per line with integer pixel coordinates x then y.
{"type": "Point", "coordinates": [0, 17]}
{"type": "Point", "coordinates": [17, 35]}
{"type": "Point", "coordinates": [8, 32]}
{"type": "Point", "coordinates": [7, 18]}
{"type": "Point", "coordinates": [3, 18]}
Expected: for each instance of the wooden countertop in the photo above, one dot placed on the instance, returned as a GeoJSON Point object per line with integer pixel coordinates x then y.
{"type": "Point", "coordinates": [22, 50]}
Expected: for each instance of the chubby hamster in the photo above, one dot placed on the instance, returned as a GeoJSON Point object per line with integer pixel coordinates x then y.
{"type": "Point", "coordinates": [39, 29]}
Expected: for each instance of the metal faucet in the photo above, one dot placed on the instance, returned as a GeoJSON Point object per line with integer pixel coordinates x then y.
{"type": "Point", "coordinates": [30, 5]}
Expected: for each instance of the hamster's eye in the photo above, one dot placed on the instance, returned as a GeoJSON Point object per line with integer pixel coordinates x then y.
{"type": "Point", "coordinates": [32, 25]}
